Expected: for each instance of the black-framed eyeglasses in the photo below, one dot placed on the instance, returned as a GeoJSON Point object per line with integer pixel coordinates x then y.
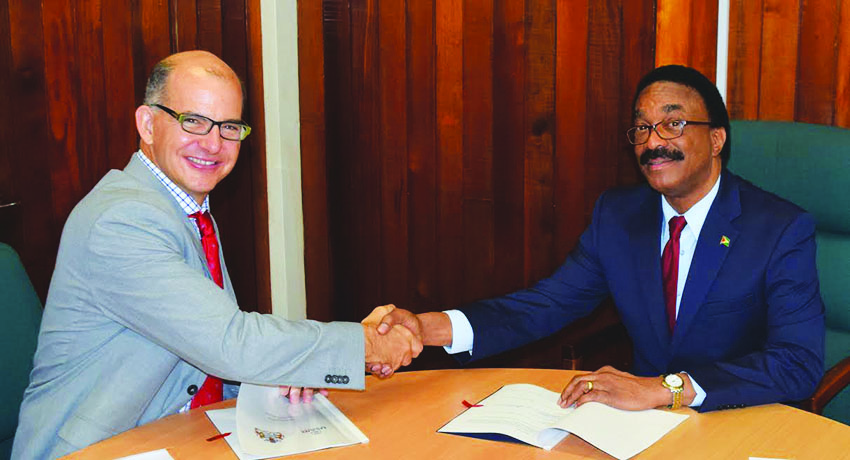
{"type": "Point", "coordinates": [193, 123]}
{"type": "Point", "coordinates": [667, 129]}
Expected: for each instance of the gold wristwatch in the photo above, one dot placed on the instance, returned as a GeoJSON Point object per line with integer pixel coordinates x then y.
{"type": "Point", "coordinates": [676, 385]}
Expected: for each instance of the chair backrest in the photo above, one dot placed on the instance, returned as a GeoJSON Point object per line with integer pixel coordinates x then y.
{"type": "Point", "coordinates": [20, 317]}
{"type": "Point", "coordinates": [808, 165]}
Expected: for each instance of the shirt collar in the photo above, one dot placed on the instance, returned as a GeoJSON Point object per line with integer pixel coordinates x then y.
{"type": "Point", "coordinates": [695, 216]}
{"type": "Point", "coordinates": [186, 202]}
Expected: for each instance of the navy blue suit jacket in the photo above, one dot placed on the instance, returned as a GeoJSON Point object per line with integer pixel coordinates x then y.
{"type": "Point", "coordinates": [750, 328]}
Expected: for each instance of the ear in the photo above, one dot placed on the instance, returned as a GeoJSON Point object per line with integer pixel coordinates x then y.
{"type": "Point", "coordinates": [144, 123]}
{"type": "Point", "coordinates": [718, 140]}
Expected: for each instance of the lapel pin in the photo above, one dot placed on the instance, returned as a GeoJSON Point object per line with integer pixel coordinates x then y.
{"type": "Point", "coordinates": [724, 240]}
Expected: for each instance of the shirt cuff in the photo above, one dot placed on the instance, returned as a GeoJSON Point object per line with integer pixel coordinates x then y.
{"type": "Point", "coordinates": [462, 335]}
{"type": "Point", "coordinates": [700, 397]}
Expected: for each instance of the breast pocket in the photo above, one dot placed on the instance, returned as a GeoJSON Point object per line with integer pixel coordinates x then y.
{"type": "Point", "coordinates": [725, 307]}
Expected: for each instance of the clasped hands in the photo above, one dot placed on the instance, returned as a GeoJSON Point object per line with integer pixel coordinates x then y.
{"type": "Point", "coordinates": [388, 347]}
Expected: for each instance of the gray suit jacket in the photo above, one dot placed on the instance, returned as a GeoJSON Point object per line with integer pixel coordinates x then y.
{"type": "Point", "coordinates": [133, 319]}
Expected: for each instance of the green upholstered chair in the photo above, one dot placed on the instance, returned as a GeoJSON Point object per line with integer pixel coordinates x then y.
{"type": "Point", "coordinates": [21, 316]}
{"type": "Point", "coordinates": [809, 165]}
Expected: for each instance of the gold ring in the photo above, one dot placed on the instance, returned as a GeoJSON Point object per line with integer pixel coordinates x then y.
{"type": "Point", "coordinates": [589, 387]}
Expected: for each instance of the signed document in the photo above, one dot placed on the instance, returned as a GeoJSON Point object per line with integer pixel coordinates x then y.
{"type": "Point", "coordinates": [530, 414]}
{"type": "Point", "coordinates": [267, 425]}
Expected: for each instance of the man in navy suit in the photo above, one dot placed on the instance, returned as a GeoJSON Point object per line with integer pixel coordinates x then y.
{"type": "Point", "coordinates": [714, 278]}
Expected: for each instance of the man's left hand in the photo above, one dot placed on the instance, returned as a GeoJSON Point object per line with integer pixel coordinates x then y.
{"type": "Point", "coordinates": [616, 389]}
{"type": "Point", "coordinates": [299, 394]}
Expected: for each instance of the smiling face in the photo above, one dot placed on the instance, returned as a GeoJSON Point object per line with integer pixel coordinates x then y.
{"type": "Point", "coordinates": [683, 181]}
{"type": "Point", "coordinates": [200, 84]}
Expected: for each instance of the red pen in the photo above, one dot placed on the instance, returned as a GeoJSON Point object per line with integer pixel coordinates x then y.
{"type": "Point", "coordinates": [218, 436]}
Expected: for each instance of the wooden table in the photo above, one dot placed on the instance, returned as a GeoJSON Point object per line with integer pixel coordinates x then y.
{"type": "Point", "coordinates": [401, 415]}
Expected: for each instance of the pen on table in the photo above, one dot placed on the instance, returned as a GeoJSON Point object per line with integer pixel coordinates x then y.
{"type": "Point", "coordinates": [218, 436]}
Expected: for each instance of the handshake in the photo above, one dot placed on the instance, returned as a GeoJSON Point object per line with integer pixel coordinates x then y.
{"type": "Point", "coordinates": [393, 338]}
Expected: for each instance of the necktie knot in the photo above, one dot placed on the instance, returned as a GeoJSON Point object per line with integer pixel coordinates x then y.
{"type": "Point", "coordinates": [677, 224]}
{"type": "Point", "coordinates": [205, 224]}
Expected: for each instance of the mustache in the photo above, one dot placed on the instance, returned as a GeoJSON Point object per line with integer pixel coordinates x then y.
{"type": "Point", "coordinates": [667, 154]}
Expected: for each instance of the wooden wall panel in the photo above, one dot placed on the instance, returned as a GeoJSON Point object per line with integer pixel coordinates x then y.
{"type": "Point", "coordinates": [745, 25]}
{"type": "Point", "coordinates": [314, 165]}
{"type": "Point", "coordinates": [479, 261]}
{"type": "Point", "coordinates": [75, 74]}
{"type": "Point", "coordinates": [450, 152]}
{"type": "Point", "coordinates": [465, 143]}
{"type": "Point", "coordinates": [816, 70]}
{"type": "Point", "coordinates": [788, 60]}
{"type": "Point", "coordinates": [686, 34]}
{"type": "Point", "coordinates": [422, 163]}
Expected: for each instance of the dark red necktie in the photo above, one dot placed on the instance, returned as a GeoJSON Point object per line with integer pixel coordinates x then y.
{"type": "Point", "coordinates": [670, 268]}
{"type": "Point", "coordinates": [211, 391]}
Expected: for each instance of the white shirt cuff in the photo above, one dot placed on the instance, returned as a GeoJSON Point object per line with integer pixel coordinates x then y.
{"type": "Point", "coordinates": [462, 335]}
{"type": "Point", "coordinates": [700, 397]}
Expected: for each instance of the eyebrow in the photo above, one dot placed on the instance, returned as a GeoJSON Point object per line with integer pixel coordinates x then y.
{"type": "Point", "coordinates": [232, 120]}
{"type": "Point", "coordinates": [667, 108]}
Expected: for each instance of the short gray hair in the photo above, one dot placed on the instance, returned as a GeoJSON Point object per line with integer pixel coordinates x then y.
{"type": "Point", "coordinates": [155, 91]}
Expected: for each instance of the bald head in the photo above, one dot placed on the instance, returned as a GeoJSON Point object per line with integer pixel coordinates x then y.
{"type": "Point", "coordinates": [195, 63]}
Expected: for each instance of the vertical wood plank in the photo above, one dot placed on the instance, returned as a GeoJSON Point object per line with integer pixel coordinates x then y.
{"type": "Point", "coordinates": [91, 147]}
{"type": "Point", "coordinates": [539, 141]}
{"type": "Point", "coordinates": [314, 183]}
{"type": "Point", "coordinates": [151, 18]}
{"type": "Point", "coordinates": [571, 69]}
{"type": "Point", "coordinates": [702, 38]}
{"type": "Point", "coordinates": [816, 70]}
{"type": "Point", "coordinates": [62, 101]}
{"type": "Point", "coordinates": [604, 58]}
{"type": "Point", "coordinates": [32, 171]}
{"type": "Point", "coordinates": [673, 32]}
{"type": "Point", "coordinates": [254, 84]}
{"type": "Point", "coordinates": [779, 59]}
{"type": "Point", "coordinates": [8, 191]}
{"type": "Point", "coordinates": [509, 56]}
{"type": "Point", "coordinates": [422, 168]}
{"type": "Point", "coordinates": [393, 149]}
{"type": "Point", "coordinates": [185, 29]}
{"type": "Point", "coordinates": [638, 58]}
{"type": "Point", "coordinates": [450, 152]}
{"type": "Point", "coordinates": [478, 95]}
{"type": "Point", "coordinates": [340, 151]}
{"type": "Point", "coordinates": [209, 26]}
{"type": "Point", "coordinates": [365, 172]}
{"type": "Point", "coordinates": [743, 76]}
{"type": "Point", "coordinates": [118, 64]}
{"type": "Point", "coordinates": [842, 72]}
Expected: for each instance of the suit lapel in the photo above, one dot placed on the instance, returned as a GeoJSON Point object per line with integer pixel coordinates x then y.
{"type": "Point", "coordinates": [709, 254]}
{"type": "Point", "coordinates": [141, 172]}
{"type": "Point", "coordinates": [645, 234]}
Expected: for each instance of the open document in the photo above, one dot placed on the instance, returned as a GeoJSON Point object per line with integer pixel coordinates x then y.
{"type": "Point", "coordinates": [531, 414]}
{"type": "Point", "coordinates": [264, 424]}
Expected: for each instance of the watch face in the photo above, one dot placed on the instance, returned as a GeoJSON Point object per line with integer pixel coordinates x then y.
{"type": "Point", "coordinates": [673, 380]}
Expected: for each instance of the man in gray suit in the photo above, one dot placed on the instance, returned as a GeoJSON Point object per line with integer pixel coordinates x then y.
{"type": "Point", "coordinates": [141, 318]}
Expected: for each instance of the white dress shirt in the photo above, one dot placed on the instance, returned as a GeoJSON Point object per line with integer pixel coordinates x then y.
{"type": "Point", "coordinates": [463, 336]}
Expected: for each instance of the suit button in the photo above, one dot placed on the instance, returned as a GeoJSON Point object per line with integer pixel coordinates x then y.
{"type": "Point", "coordinates": [328, 378]}
{"type": "Point", "coordinates": [344, 379]}
{"type": "Point", "coordinates": [192, 390]}
{"type": "Point", "coordinates": [335, 379]}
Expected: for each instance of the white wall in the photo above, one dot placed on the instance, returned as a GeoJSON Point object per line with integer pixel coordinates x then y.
{"type": "Point", "coordinates": [283, 157]}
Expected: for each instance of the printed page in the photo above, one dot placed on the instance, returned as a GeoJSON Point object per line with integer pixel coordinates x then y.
{"type": "Point", "coordinates": [267, 424]}
{"type": "Point", "coordinates": [521, 411]}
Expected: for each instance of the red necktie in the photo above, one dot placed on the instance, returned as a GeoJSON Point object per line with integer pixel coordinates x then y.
{"type": "Point", "coordinates": [670, 268]}
{"type": "Point", "coordinates": [211, 391]}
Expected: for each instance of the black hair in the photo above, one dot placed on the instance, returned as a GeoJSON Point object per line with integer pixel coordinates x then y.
{"type": "Point", "coordinates": [692, 78]}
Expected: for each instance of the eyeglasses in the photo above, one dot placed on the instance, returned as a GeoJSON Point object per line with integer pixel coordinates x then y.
{"type": "Point", "coordinates": [193, 123]}
{"type": "Point", "coordinates": [668, 129]}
